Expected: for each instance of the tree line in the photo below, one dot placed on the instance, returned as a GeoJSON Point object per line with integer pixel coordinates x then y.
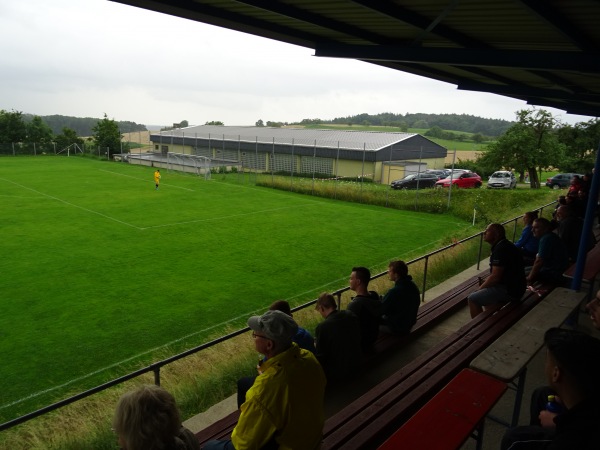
{"type": "Point", "coordinates": [83, 126]}
{"type": "Point", "coordinates": [458, 122]}
{"type": "Point", "coordinates": [537, 142]}
{"type": "Point", "coordinates": [21, 131]}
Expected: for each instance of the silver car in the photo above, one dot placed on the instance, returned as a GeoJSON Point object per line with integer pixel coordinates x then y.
{"type": "Point", "coordinates": [502, 179]}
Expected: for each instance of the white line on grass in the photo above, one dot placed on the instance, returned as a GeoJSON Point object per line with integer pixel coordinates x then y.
{"type": "Point", "coordinates": [146, 180]}
{"type": "Point", "coordinates": [88, 375]}
{"type": "Point", "coordinates": [72, 204]}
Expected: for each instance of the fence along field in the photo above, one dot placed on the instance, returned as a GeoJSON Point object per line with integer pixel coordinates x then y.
{"type": "Point", "coordinates": [100, 271]}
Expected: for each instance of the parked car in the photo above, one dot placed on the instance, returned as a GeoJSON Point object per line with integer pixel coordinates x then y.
{"type": "Point", "coordinates": [561, 180]}
{"type": "Point", "coordinates": [502, 179]}
{"type": "Point", "coordinates": [439, 173]}
{"type": "Point", "coordinates": [416, 180]}
{"type": "Point", "coordinates": [463, 180]}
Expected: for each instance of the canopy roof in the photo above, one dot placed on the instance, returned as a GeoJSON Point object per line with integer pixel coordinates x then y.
{"type": "Point", "coordinates": [543, 52]}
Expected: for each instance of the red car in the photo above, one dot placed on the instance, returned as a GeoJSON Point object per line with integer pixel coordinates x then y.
{"type": "Point", "coordinates": [463, 180]}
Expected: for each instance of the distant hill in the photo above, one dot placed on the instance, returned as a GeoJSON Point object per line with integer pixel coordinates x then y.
{"type": "Point", "coordinates": [456, 122]}
{"type": "Point", "coordinates": [82, 125]}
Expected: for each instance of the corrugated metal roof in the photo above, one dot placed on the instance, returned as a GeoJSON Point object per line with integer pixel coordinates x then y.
{"type": "Point", "coordinates": [354, 140]}
{"type": "Point", "coordinates": [542, 52]}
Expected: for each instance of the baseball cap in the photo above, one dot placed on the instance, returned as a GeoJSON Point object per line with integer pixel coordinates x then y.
{"type": "Point", "coordinates": [275, 325]}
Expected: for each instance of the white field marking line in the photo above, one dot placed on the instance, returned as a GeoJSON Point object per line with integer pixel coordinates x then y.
{"type": "Point", "coordinates": [75, 380]}
{"type": "Point", "coordinates": [72, 204]}
{"type": "Point", "coordinates": [212, 219]}
{"type": "Point", "coordinates": [145, 180]}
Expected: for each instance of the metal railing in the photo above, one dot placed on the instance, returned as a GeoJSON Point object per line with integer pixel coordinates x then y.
{"type": "Point", "coordinates": [156, 367]}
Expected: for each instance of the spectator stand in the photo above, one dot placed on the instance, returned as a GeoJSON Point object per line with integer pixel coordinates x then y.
{"type": "Point", "coordinates": [372, 418]}
{"type": "Point", "coordinates": [430, 314]}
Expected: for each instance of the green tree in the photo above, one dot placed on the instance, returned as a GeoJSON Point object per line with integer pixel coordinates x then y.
{"type": "Point", "coordinates": [530, 145]}
{"type": "Point", "coordinates": [66, 138]}
{"type": "Point", "coordinates": [39, 132]}
{"type": "Point", "coordinates": [107, 136]}
{"type": "Point", "coordinates": [12, 127]}
{"type": "Point", "coordinates": [214, 122]}
{"type": "Point", "coordinates": [260, 123]}
{"type": "Point", "coordinates": [581, 143]}
{"type": "Point", "coordinates": [478, 138]}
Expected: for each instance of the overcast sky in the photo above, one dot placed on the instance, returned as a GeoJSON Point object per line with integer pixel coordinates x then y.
{"type": "Point", "coordinates": [86, 58]}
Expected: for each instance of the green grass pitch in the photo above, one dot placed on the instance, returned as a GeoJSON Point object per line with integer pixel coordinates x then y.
{"type": "Point", "coordinates": [100, 270]}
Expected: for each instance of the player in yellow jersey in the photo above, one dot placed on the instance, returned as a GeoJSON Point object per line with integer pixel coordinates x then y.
{"type": "Point", "coordinates": [157, 178]}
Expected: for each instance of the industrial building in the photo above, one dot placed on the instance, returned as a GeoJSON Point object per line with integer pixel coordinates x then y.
{"type": "Point", "coordinates": [380, 156]}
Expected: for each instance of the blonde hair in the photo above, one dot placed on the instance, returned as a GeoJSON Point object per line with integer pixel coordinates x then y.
{"type": "Point", "coordinates": [147, 419]}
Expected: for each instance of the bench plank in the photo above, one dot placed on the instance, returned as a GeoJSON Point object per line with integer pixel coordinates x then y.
{"type": "Point", "coordinates": [506, 357]}
{"type": "Point", "coordinates": [373, 417]}
{"type": "Point", "coordinates": [450, 417]}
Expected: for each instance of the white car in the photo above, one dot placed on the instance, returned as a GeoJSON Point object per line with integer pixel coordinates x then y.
{"type": "Point", "coordinates": [502, 179]}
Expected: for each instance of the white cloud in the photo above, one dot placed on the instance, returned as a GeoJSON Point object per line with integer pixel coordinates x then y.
{"type": "Point", "coordinates": [86, 58]}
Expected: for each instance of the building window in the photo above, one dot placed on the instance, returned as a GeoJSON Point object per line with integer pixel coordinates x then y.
{"type": "Point", "coordinates": [317, 165]}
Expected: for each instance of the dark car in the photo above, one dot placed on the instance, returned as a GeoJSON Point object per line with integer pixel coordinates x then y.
{"type": "Point", "coordinates": [561, 180]}
{"type": "Point", "coordinates": [463, 180]}
{"type": "Point", "coordinates": [439, 173]}
{"type": "Point", "coordinates": [415, 181]}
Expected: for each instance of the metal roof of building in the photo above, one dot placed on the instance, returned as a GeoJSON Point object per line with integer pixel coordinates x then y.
{"type": "Point", "coordinates": [542, 52]}
{"type": "Point", "coordinates": [359, 140]}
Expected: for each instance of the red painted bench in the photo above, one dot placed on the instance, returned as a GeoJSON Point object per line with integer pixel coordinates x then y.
{"type": "Point", "coordinates": [451, 416]}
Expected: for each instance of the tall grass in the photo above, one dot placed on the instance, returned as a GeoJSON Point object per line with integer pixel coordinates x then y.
{"type": "Point", "coordinates": [486, 205]}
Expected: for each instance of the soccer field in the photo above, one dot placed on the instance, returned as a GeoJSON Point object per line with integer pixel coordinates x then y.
{"type": "Point", "coordinates": [100, 270]}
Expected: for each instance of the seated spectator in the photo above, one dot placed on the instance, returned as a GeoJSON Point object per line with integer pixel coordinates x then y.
{"type": "Point", "coordinates": [507, 274]}
{"type": "Point", "coordinates": [569, 230]}
{"type": "Point", "coordinates": [562, 200]}
{"type": "Point", "coordinates": [148, 419]}
{"type": "Point", "coordinates": [572, 369]}
{"type": "Point", "coordinates": [576, 184]}
{"type": "Point", "coordinates": [302, 338]}
{"type": "Point", "coordinates": [366, 305]}
{"type": "Point", "coordinates": [551, 259]}
{"type": "Point", "coordinates": [284, 406]}
{"type": "Point", "coordinates": [401, 303]}
{"type": "Point", "coordinates": [528, 243]}
{"type": "Point", "coordinates": [337, 340]}
{"type": "Point", "coordinates": [576, 203]}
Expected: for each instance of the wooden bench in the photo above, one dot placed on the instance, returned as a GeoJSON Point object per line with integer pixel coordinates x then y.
{"type": "Point", "coordinates": [369, 420]}
{"type": "Point", "coordinates": [428, 316]}
{"type": "Point", "coordinates": [451, 416]}
{"type": "Point", "coordinates": [506, 358]}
